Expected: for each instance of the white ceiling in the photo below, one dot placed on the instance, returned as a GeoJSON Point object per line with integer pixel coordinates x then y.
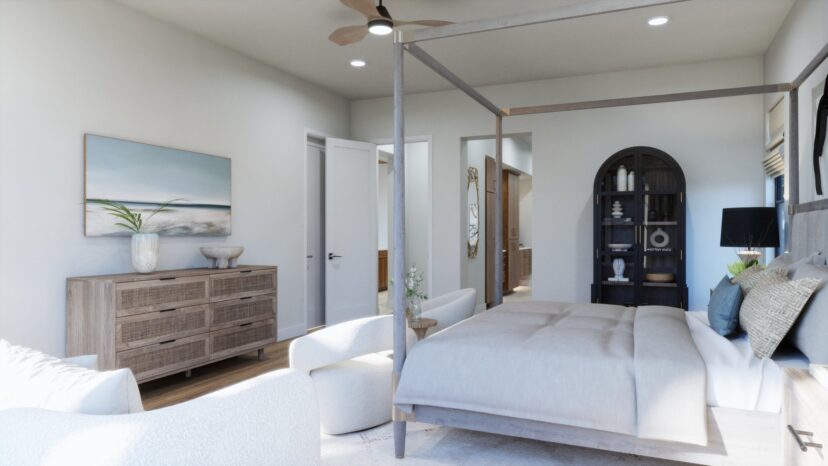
{"type": "Point", "coordinates": [291, 35]}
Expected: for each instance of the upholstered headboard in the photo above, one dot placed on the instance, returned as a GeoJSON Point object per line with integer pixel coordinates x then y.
{"type": "Point", "coordinates": [809, 232]}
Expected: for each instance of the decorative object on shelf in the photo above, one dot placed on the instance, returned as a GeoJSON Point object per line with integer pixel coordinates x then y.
{"type": "Point", "coordinates": [617, 210]}
{"type": "Point", "coordinates": [655, 197]}
{"type": "Point", "coordinates": [140, 176]}
{"type": "Point", "coordinates": [222, 257]}
{"type": "Point", "coordinates": [622, 179]}
{"type": "Point", "coordinates": [473, 190]}
{"type": "Point", "coordinates": [144, 245]}
{"type": "Point", "coordinates": [660, 238]}
{"type": "Point", "coordinates": [618, 266]}
{"type": "Point", "coordinates": [658, 277]}
{"type": "Point", "coordinates": [749, 227]}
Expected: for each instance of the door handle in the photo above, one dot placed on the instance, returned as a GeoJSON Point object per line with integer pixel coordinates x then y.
{"type": "Point", "coordinates": [332, 256]}
{"type": "Point", "coordinates": [309, 256]}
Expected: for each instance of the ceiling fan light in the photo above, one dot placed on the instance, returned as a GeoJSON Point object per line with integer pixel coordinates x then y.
{"type": "Point", "coordinates": [380, 26]}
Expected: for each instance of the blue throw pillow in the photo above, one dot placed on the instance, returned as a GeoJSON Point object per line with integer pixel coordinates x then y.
{"type": "Point", "coordinates": [723, 310]}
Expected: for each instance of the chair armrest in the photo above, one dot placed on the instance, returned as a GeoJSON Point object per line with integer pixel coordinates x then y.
{"type": "Point", "coordinates": [451, 308]}
{"type": "Point", "coordinates": [89, 361]}
{"type": "Point", "coordinates": [270, 419]}
{"type": "Point", "coordinates": [342, 342]}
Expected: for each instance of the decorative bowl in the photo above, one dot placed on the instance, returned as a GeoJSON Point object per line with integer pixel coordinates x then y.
{"type": "Point", "coordinates": [659, 277]}
{"type": "Point", "coordinates": [223, 257]}
{"type": "Point", "coordinates": [619, 246]}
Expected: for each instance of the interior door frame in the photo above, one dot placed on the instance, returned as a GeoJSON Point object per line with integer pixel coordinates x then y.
{"type": "Point", "coordinates": [430, 221]}
{"type": "Point", "coordinates": [309, 132]}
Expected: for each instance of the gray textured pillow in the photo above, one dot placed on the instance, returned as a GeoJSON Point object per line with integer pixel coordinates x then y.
{"type": "Point", "coordinates": [769, 311]}
{"type": "Point", "coordinates": [810, 333]}
{"type": "Point", "coordinates": [755, 276]}
{"type": "Point", "coordinates": [785, 261]}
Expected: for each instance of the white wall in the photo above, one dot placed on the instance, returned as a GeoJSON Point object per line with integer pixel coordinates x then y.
{"type": "Point", "coordinates": [417, 208]}
{"type": "Point", "coordinates": [803, 34]}
{"type": "Point", "coordinates": [717, 142]}
{"type": "Point", "coordinates": [67, 68]}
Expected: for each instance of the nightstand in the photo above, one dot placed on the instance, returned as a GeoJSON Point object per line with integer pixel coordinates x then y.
{"type": "Point", "coordinates": [806, 419]}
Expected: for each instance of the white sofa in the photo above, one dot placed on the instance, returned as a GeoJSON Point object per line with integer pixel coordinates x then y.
{"type": "Point", "coordinates": [270, 419]}
{"type": "Point", "coordinates": [351, 367]}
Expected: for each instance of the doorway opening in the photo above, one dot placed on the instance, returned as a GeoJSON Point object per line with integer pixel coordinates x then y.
{"type": "Point", "coordinates": [516, 185]}
{"type": "Point", "coordinates": [314, 233]}
{"type": "Point", "coordinates": [417, 216]}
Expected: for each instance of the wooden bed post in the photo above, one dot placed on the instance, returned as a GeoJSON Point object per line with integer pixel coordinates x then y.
{"type": "Point", "coordinates": [399, 244]}
{"type": "Point", "coordinates": [793, 161]}
{"type": "Point", "coordinates": [498, 213]}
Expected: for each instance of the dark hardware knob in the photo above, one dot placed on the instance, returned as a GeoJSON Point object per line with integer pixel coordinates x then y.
{"type": "Point", "coordinates": [332, 256]}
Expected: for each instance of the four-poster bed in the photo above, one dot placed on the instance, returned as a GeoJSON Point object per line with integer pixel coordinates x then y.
{"type": "Point", "coordinates": [732, 436]}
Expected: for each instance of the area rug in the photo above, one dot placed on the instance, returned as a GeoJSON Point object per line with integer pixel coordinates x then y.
{"type": "Point", "coordinates": [435, 445]}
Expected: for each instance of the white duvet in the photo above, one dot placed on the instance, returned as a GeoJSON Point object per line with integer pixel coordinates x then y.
{"type": "Point", "coordinates": [633, 371]}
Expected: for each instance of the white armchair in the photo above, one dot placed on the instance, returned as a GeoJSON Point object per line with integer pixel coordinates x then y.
{"type": "Point", "coordinates": [450, 308]}
{"type": "Point", "coordinates": [270, 419]}
{"type": "Point", "coordinates": [351, 367]}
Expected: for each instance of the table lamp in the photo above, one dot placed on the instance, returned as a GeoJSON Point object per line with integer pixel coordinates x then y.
{"type": "Point", "coordinates": [750, 228]}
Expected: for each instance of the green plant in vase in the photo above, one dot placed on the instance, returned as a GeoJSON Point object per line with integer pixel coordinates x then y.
{"type": "Point", "coordinates": [413, 281]}
{"type": "Point", "coordinates": [144, 245]}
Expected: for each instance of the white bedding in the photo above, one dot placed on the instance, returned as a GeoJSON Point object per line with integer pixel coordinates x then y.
{"type": "Point", "coordinates": [735, 377]}
{"type": "Point", "coordinates": [624, 370]}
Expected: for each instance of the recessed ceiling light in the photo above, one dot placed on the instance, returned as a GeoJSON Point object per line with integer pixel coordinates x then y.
{"type": "Point", "coordinates": [658, 21]}
{"type": "Point", "coordinates": [380, 26]}
{"type": "Point", "coordinates": [358, 63]}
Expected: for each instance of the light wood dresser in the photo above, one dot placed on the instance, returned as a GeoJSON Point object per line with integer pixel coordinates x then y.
{"type": "Point", "coordinates": [171, 321]}
{"type": "Point", "coordinates": [806, 419]}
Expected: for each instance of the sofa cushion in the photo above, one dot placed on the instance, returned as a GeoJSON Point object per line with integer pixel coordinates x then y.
{"type": "Point", "coordinates": [723, 310]}
{"type": "Point", "coordinates": [31, 379]}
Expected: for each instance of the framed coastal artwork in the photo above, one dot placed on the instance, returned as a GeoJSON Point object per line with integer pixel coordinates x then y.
{"type": "Point", "coordinates": [144, 177]}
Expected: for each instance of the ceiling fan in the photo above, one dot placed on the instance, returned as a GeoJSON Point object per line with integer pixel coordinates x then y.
{"type": "Point", "coordinates": [379, 22]}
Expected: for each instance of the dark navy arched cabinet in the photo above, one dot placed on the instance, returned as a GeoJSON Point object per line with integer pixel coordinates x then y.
{"type": "Point", "coordinates": [640, 221]}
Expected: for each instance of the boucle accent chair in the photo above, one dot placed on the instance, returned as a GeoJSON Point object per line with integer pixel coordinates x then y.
{"type": "Point", "coordinates": [270, 419]}
{"type": "Point", "coordinates": [350, 363]}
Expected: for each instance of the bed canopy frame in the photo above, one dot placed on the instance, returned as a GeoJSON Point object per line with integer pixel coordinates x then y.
{"type": "Point", "coordinates": [406, 41]}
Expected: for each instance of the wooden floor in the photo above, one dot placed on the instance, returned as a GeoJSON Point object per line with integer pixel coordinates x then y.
{"type": "Point", "coordinates": [177, 388]}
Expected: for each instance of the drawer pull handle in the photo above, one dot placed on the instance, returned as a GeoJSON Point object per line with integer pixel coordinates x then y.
{"type": "Point", "coordinates": [167, 341]}
{"type": "Point", "coordinates": [245, 271]}
{"type": "Point", "coordinates": [802, 444]}
{"type": "Point", "coordinates": [245, 325]}
{"type": "Point", "coordinates": [167, 310]}
{"type": "Point", "coordinates": [247, 297]}
{"type": "Point", "coordinates": [168, 278]}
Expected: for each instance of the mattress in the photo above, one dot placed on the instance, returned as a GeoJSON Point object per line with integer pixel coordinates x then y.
{"type": "Point", "coordinates": [735, 377]}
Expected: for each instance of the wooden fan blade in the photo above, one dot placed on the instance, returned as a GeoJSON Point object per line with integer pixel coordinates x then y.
{"type": "Point", "coordinates": [423, 22]}
{"type": "Point", "coordinates": [366, 7]}
{"type": "Point", "coordinates": [348, 34]}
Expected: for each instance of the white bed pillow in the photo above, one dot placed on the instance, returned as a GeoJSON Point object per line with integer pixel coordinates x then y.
{"type": "Point", "coordinates": [31, 379]}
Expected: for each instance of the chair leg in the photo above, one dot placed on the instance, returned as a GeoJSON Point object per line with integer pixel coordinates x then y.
{"type": "Point", "coordinates": [399, 439]}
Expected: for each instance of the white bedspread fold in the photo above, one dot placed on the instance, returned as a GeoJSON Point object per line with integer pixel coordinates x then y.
{"type": "Point", "coordinates": [569, 364]}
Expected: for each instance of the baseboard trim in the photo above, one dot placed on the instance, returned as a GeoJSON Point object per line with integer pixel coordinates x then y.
{"type": "Point", "coordinates": [290, 332]}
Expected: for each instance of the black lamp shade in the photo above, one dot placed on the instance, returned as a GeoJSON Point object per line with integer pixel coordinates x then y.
{"type": "Point", "coordinates": [752, 227]}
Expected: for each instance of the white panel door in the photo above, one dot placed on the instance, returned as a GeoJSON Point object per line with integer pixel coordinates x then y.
{"type": "Point", "coordinates": [350, 230]}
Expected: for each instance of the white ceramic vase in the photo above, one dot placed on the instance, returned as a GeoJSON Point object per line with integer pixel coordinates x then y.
{"type": "Point", "coordinates": [621, 178]}
{"type": "Point", "coordinates": [144, 252]}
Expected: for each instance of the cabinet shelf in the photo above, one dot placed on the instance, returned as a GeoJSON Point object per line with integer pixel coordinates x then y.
{"type": "Point", "coordinates": [658, 192]}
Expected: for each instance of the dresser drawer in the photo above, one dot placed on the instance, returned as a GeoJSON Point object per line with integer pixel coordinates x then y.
{"type": "Point", "coordinates": [156, 295]}
{"type": "Point", "coordinates": [242, 338]}
{"type": "Point", "coordinates": [806, 405]}
{"type": "Point", "coordinates": [234, 312]}
{"type": "Point", "coordinates": [242, 284]}
{"type": "Point", "coordinates": [154, 327]}
{"type": "Point", "coordinates": [166, 357]}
